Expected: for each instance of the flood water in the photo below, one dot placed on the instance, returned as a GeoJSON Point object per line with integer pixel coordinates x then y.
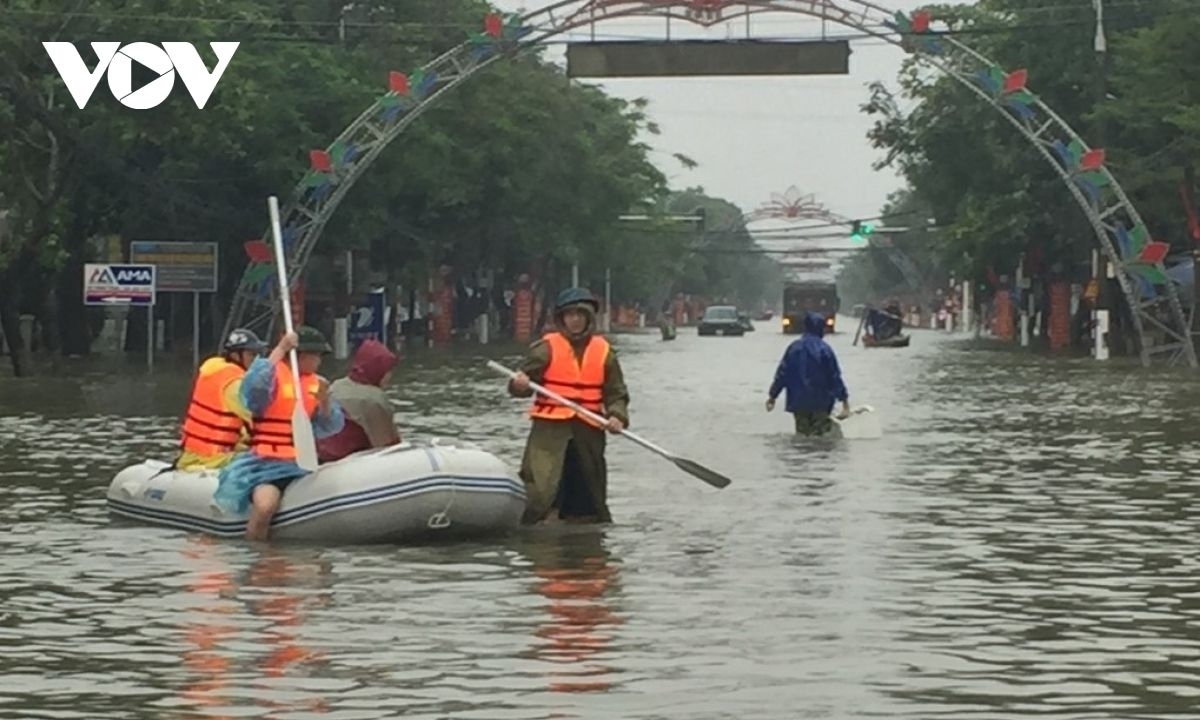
{"type": "Point", "coordinates": [1021, 543]}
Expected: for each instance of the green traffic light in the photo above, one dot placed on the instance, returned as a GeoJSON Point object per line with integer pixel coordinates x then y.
{"type": "Point", "coordinates": [860, 231]}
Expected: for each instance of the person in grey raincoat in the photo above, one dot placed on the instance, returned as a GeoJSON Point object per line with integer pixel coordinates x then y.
{"type": "Point", "coordinates": [564, 469]}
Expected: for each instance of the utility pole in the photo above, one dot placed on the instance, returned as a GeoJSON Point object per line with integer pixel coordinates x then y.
{"type": "Point", "coordinates": [1103, 271]}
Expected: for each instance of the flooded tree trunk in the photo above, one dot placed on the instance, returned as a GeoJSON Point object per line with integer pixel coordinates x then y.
{"type": "Point", "coordinates": [10, 320]}
{"type": "Point", "coordinates": [75, 333]}
{"type": "Point", "coordinates": [47, 320]}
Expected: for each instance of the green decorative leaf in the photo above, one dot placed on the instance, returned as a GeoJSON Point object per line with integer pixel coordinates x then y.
{"type": "Point", "coordinates": [997, 76]}
{"type": "Point", "coordinates": [1153, 273]}
{"type": "Point", "coordinates": [1095, 177]}
{"type": "Point", "coordinates": [336, 152]}
{"type": "Point", "coordinates": [1023, 96]}
{"type": "Point", "coordinates": [1076, 149]}
{"type": "Point", "coordinates": [1138, 237]}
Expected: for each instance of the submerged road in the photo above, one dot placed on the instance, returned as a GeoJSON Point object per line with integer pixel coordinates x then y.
{"type": "Point", "coordinates": [1021, 543]}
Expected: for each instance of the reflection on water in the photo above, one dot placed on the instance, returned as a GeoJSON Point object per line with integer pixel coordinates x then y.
{"type": "Point", "coordinates": [578, 580]}
{"type": "Point", "coordinates": [274, 593]}
{"type": "Point", "coordinates": [207, 627]}
{"type": "Point", "coordinates": [1019, 544]}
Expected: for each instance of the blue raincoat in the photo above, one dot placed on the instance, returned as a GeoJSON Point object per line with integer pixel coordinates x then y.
{"type": "Point", "coordinates": [247, 471]}
{"type": "Point", "coordinates": [809, 371]}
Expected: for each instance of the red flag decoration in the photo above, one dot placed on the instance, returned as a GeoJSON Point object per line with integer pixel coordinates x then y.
{"type": "Point", "coordinates": [319, 160]}
{"type": "Point", "coordinates": [1154, 253]}
{"type": "Point", "coordinates": [1015, 80]}
{"type": "Point", "coordinates": [257, 251]}
{"type": "Point", "coordinates": [920, 21]}
{"type": "Point", "coordinates": [1092, 159]}
{"type": "Point", "coordinates": [492, 25]}
{"type": "Point", "coordinates": [398, 83]}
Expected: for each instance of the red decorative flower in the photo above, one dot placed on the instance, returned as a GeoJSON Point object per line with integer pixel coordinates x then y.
{"type": "Point", "coordinates": [1015, 80]}
{"type": "Point", "coordinates": [398, 82]}
{"type": "Point", "coordinates": [920, 21]}
{"type": "Point", "coordinates": [1154, 253]}
{"type": "Point", "coordinates": [257, 251]}
{"type": "Point", "coordinates": [492, 25]}
{"type": "Point", "coordinates": [319, 160]}
{"type": "Point", "coordinates": [1092, 160]}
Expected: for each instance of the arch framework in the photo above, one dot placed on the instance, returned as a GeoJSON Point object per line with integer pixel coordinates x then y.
{"type": "Point", "coordinates": [1158, 315]}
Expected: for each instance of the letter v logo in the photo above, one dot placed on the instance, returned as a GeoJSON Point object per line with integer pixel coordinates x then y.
{"type": "Point", "coordinates": [80, 81]}
{"type": "Point", "coordinates": [196, 78]}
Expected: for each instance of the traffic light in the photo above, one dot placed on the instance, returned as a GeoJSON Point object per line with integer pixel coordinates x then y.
{"type": "Point", "coordinates": [860, 231]}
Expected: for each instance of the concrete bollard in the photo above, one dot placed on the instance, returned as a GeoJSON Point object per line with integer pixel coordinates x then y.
{"type": "Point", "coordinates": [341, 338]}
{"type": "Point", "coordinates": [484, 328]}
{"type": "Point", "coordinates": [1101, 335]}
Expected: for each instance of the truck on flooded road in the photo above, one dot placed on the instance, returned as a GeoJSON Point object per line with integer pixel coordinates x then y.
{"type": "Point", "coordinates": [799, 298]}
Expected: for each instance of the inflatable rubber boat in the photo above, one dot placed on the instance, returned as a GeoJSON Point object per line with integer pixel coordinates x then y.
{"type": "Point", "coordinates": [400, 493]}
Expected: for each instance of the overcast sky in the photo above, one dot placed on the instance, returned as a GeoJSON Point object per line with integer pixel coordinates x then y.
{"type": "Point", "coordinates": [754, 136]}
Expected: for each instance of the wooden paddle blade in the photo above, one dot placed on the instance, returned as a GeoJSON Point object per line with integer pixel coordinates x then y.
{"type": "Point", "coordinates": [712, 477]}
{"type": "Point", "coordinates": [304, 440]}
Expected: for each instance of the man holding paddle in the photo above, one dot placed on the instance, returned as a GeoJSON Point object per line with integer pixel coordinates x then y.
{"type": "Point", "coordinates": [564, 469]}
{"type": "Point", "coordinates": [256, 479]}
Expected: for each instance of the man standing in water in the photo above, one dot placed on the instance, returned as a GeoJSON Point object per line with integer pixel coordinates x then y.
{"type": "Point", "coordinates": [564, 470]}
{"type": "Point", "coordinates": [809, 370]}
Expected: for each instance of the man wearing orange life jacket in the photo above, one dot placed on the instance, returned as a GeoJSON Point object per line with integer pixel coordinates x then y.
{"type": "Point", "coordinates": [216, 425]}
{"type": "Point", "coordinates": [255, 480]}
{"type": "Point", "coordinates": [564, 469]}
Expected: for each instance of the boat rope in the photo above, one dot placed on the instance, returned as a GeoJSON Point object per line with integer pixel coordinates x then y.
{"type": "Point", "coordinates": [441, 520]}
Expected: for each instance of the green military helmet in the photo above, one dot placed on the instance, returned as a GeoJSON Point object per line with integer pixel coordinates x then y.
{"type": "Point", "coordinates": [311, 340]}
{"type": "Point", "coordinates": [575, 296]}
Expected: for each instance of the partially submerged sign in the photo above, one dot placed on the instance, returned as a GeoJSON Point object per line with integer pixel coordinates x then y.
{"type": "Point", "coordinates": [182, 266]}
{"type": "Point", "coordinates": [105, 284]}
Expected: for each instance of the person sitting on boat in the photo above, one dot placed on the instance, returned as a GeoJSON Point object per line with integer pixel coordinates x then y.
{"type": "Point", "coordinates": [216, 425]}
{"type": "Point", "coordinates": [256, 479]}
{"type": "Point", "coordinates": [810, 373]}
{"type": "Point", "coordinates": [368, 411]}
{"type": "Point", "coordinates": [894, 324]}
{"type": "Point", "coordinates": [564, 469]}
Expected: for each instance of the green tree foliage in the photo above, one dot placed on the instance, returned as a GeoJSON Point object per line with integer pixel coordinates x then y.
{"type": "Point", "coordinates": [517, 170]}
{"type": "Point", "coordinates": [989, 190]}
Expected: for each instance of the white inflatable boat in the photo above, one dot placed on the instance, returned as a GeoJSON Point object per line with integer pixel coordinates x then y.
{"type": "Point", "coordinates": [400, 493]}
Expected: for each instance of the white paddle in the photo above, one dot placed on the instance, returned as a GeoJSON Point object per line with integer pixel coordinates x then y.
{"type": "Point", "coordinates": [861, 424]}
{"type": "Point", "coordinates": [693, 468]}
{"type": "Point", "coordinates": [302, 430]}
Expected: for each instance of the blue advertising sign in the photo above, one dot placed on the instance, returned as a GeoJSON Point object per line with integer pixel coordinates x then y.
{"type": "Point", "coordinates": [118, 284]}
{"type": "Point", "coordinates": [367, 321]}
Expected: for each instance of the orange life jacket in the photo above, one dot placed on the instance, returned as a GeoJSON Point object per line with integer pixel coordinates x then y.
{"type": "Point", "coordinates": [271, 432]}
{"type": "Point", "coordinates": [580, 381]}
{"type": "Point", "coordinates": [210, 428]}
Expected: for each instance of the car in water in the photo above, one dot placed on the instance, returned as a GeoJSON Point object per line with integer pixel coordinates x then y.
{"type": "Point", "coordinates": [720, 320]}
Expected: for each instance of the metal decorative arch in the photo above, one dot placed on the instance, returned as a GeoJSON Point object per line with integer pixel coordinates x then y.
{"type": "Point", "coordinates": [793, 206]}
{"type": "Point", "coordinates": [1120, 231]}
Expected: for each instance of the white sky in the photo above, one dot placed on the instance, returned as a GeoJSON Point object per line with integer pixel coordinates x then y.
{"type": "Point", "coordinates": [758, 136]}
{"type": "Point", "coordinates": [754, 136]}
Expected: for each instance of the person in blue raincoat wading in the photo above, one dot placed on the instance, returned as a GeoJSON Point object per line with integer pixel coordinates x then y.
{"type": "Point", "coordinates": [810, 373]}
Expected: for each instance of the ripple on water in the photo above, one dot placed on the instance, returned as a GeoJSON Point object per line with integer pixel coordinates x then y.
{"type": "Point", "coordinates": [1020, 544]}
